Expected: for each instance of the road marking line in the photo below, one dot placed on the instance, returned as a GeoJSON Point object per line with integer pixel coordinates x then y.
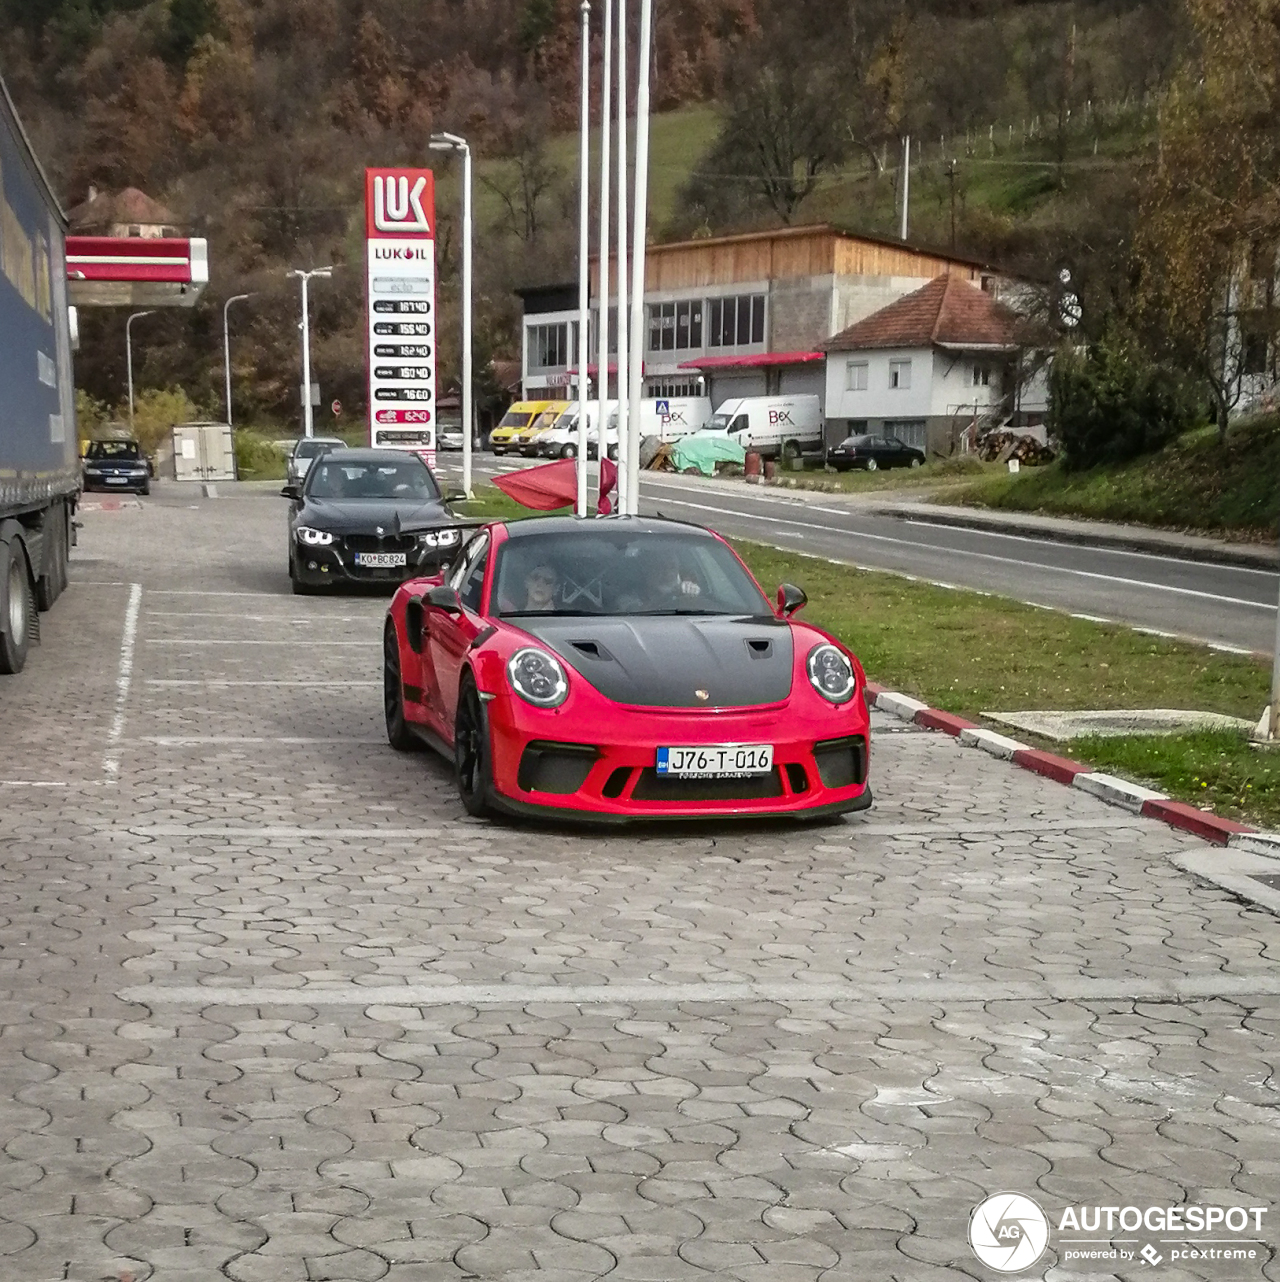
{"type": "Point", "coordinates": [854, 829]}
{"type": "Point", "coordinates": [289, 641]}
{"type": "Point", "coordinates": [111, 759]}
{"type": "Point", "coordinates": [304, 685]}
{"type": "Point", "coordinates": [196, 741]}
{"type": "Point", "coordinates": [30, 783]}
{"type": "Point", "coordinates": [265, 618]}
{"type": "Point", "coordinates": [984, 556]}
{"type": "Point", "coordinates": [195, 592]}
{"type": "Point", "coordinates": [857, 989]}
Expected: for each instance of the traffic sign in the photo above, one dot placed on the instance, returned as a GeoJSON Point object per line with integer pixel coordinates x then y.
{"type": "Point", "coordinates": [336, 407]}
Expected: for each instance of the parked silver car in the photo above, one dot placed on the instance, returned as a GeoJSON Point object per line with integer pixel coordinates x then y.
{"type": "Point", "coordinates": [307, 449]}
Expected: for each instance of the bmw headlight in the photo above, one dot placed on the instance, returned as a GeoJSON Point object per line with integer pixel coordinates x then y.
{"type": "Point", "coordinates": [538, 678]}
{"type": "Point", "coordinates": [439, 538]}
{"type": "Point", "coordinates": [831, 673]}
{"type": "Point", "coordinates": [314, 538]}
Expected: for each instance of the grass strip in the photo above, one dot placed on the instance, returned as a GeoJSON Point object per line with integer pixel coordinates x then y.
{"type": "Point", "coordinates": [1215, 769]}
{"type": "Point", "coordinates": [972, 654]}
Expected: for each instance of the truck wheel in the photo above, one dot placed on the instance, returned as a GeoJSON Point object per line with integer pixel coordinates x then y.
{"type": "Point", "coordinates": [569, 451]}
{"type": "Point", "coordinates": [50, 584]}
{"type": "Point", "coordinates": [791, 450]}
{"type": "Point", "coordinates": [20, 612]}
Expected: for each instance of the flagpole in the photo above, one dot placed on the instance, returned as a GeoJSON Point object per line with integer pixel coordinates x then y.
{"type": "Point", "coordinates": [584, 296]}
{"type": "Point", "coordinates": [602, 273]}
{"type": "Point", "coordinates": [623, 342]}
{"type": "Point", "coordinates": [640, 230]}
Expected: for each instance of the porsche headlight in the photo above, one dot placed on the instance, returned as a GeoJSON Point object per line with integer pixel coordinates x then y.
{"type": "Point", "coordinates": [831, 673]}
{"type": "Point", "coordinates": [538, 678]}
{"type": "Point", "coordinates": [314, 538]}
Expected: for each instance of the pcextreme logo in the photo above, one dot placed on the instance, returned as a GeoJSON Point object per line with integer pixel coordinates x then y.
{"type": "Point", "coordinates": [1008, 1232]}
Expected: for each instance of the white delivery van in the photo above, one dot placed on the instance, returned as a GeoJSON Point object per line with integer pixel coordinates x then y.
{"type": "Point", "coordinates": [561, 440]}
{"type": "Point", "coordinates": [670, 418]}
{"type": "Point", "coordinates": [772, 426]}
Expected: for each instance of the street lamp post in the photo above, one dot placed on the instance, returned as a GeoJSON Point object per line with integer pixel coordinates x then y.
{"type": "Point", "coordinates": [584, 300]}
{"type": "Point", "coordinates": [451, 142]}
{"type": "Point", "coordinates": [226, 346]}
{"type": "Point", "coordinates": [308, 419]}
{"type": "Point", "coordinates": [128, 354]}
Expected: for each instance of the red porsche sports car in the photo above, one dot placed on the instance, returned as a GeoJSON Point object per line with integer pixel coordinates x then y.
{"type": "Point", "coordinates": [623, 668]}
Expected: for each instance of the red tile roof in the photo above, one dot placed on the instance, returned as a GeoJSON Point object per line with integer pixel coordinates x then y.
{"type": "Point", "coordinates": [948, 311]}
{"type": "Point", "coordinates": [129, 206]}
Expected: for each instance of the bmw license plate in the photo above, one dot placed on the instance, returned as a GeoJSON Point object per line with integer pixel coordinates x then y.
{"type": "Point", "coordinates": [716, 761]}
{"type": "Point", "coordinates": [380, 560]}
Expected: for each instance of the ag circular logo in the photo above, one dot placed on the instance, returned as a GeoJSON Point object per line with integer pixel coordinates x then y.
{"type": "Point", "coordinates": [1008, 1232]}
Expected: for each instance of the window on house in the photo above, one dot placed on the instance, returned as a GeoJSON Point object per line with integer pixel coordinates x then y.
{"type": "Point", "coordinates": [672, 387]}
{"type": "Point", "coordinates": [900, 374]}
{"type": "Point", "coordinates": [857, 372]}
{"type": "Point", "coordinates": [982, 376]}
{"type": "Point", "coordinates": [548, 346]}
{"type": "Point", "coordinates": [736, 322]}
{"type": "Point", "coordinates": [675, 327]}
{"type": "Point", "coordinates": [135, 231]}
{"type": "Point", "coordinates": [1253, 352]}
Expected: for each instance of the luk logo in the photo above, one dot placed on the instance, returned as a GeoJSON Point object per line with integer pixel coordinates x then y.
{"type": "Point", "coordinates": [1008, 1232]}
{"type": "Point", "coordinates": [397, 207]}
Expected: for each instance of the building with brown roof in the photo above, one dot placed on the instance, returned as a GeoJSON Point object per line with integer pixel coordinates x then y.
{"type": "Point", "coordinates": [740, 315]}
{"type": "Point", "coordinates": [127, 213]}
{"type": "Point", "coordinates": [946, 357]}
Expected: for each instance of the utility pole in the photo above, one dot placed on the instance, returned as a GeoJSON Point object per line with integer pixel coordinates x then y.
{"type": "Point", "coordinates": [951, 177]}
{"type": "Point", "coordinates": [226, 347]}
{"type": "Point", "coordinates": [906, 184]}
{"type": "Point", "coordinates": [308, 417]}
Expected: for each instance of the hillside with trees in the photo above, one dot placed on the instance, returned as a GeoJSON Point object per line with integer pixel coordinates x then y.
{"type": "Point", "coordinates": [1036, 128]}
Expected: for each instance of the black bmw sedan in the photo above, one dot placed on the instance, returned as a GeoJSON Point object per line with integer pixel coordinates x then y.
{"type": "Point", "coordinates": [368, 516]}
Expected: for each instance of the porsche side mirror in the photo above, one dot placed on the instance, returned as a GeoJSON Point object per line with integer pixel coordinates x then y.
{"type": "Point", "coordinates": [445, 598]}
{"type": "Point", "coordinates": [790, 599]}
{"type": "Point", "coordinates": [292, 492]}
{"type": "Point", "coordinates": [456, 496]}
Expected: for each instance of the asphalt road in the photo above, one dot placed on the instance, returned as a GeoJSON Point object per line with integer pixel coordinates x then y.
{"type": "Point", "coordinates": [1226, 606]}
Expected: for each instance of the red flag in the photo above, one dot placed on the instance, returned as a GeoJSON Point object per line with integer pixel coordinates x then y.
{"type": "Point", "coordinates": [555, 485]}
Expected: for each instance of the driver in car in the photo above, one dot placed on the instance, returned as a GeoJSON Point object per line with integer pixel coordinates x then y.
{"type": "Point", "coordinates": [664, 586]}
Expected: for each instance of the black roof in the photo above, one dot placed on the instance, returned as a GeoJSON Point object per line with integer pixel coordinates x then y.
{"type": "Point", "coordinates": [577, 525]}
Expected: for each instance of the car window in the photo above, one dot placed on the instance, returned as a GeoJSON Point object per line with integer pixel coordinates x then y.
{"type": "Point", "coordinates": [897, 444]}
{"type": "Point", "coordinates": [334, 477]}
{"type": "Point", "coordinates": [473, 586]}
{"type": "Point", "coordinates": [623, 572]}
{"type": "Point", "coordinates": [513, 418]}
{"type": "Point", "coordinates": [114, 450]}
{"type": "Point", "coordinates": [460, 572]}
{"type": "Point", "coordinates": [739, 424]}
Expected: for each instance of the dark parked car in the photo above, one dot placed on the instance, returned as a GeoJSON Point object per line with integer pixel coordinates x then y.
{"type": "Point", "coordinates": [116, 465]}
{"type": "Point", "coordinates": [368, 516]}
{"type": "Point", "coordinates": [873, 453]}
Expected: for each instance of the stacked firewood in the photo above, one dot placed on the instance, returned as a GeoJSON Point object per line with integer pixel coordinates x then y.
{"type": "Point", "coordinates": [1000, 447]}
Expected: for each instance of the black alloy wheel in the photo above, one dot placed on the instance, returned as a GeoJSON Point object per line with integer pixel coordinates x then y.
{"type": "Point", "coordinates": [471, 752]}
{"type": "Point", "coordinates": [399, 736]}
{"type": "Point", "coordinates": [20, 621]}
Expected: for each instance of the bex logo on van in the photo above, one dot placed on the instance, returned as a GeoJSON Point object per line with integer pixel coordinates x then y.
{"type": "Point", "coordinates": [778, 417]}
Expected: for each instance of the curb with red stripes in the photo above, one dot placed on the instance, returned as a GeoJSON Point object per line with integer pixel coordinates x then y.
{"type": "Point", "coordinates": [1118, 792]}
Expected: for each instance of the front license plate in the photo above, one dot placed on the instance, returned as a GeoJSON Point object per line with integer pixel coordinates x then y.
{"type": "Point", "coordinates": [716, 761]}
{"type": "Point", "coordinates": [117, 480]}
{"type": "Point", "coordinates": [380, 560]}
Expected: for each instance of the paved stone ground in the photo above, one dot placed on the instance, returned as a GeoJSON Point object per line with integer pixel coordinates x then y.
{"type": "Point", "coordinates": [273, 1009]}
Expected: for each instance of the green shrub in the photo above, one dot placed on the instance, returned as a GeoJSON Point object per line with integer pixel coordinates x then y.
{"type": "Point", "coordinates": [1112, 403]}
{"type": "Point", "coordinates": [257, 458]}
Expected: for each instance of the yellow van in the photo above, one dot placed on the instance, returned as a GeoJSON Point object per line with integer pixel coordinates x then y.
{"type": "Point", "coordinates": [523, 415]}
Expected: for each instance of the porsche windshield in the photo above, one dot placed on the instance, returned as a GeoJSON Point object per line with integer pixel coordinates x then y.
{"type": "Point", "coordinates": [619, 572]}
{"type": "Point", "coordinates": [336, 478]}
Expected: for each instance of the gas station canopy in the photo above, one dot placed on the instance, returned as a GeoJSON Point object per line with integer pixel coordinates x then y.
{"type": "Point", "coordinates": [119, 271]}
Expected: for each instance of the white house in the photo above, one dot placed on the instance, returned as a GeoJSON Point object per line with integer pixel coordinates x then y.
{"type": "Point", "coordinates": [933, 363]}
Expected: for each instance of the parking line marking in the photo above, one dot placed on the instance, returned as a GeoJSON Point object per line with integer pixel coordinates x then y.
{"type": "Point", "coordinates": [196, 741]}
{"type": "Point", "coordinates": [303, 685]}
{"type": "Point", "coordinates": [111, 759]}
{"type": "Point", "coordinates": [856, 989]}
{"type": "Point", "coordinates": [290, 641]}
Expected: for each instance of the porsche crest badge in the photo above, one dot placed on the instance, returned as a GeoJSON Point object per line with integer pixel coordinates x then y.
{"type": "Point", "coordinates": [704, 695]}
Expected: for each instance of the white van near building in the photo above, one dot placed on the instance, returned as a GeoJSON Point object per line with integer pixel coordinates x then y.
{"type": "Point", "coordinates": [670, 418]}
{"type": "Point", "coordinates": [772, 426]}
{"type": "Point", "coordinates": [561, 440]}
